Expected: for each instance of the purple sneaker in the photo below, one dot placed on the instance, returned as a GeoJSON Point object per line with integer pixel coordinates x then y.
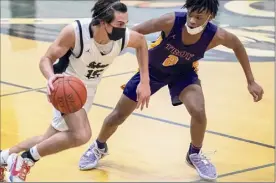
{"type": "Point", "coordinates": [204, 167]}
{"type": "Point", "coordinates": [91, 157]}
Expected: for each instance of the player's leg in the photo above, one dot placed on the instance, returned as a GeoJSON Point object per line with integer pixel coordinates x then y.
{"type": "Point", "coordinates": [126, 105]}
{"type": "Point", "coordinates": [78, 133]}
{"type": "Point", "coordinates": [123, 109]}
{"type": "Point", "coordinates": [189, 92]}
{"type": "Point", "coordinates": [58, 124]}
{"type": "Point", "coordinates": [193, 98]}
{"type": "Point", "coordinates": [22, 146]}
{"type": "Point", "coordinates": [28, 143]}
{"type": "Point", "coordinates": [99, 148]}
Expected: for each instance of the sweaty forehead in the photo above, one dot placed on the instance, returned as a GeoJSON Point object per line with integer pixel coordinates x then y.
{"type": "Point", "coordinates": [121, 17]}
{"type": "Point", "coordinates": [198, 12]}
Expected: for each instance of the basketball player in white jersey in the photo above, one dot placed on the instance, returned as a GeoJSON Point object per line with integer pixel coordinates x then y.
{"type": "Point", "coordinates": [85, 49]}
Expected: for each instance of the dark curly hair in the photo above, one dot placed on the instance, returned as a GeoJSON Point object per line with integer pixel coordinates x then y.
{"type": "Point", "coordinates": [201, 5]}
{"type": "Point", "coordinates": [104, 10]}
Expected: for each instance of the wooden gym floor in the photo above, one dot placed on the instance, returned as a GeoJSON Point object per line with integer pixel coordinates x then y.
{"type": "Point", "coordinates": [151, 145]}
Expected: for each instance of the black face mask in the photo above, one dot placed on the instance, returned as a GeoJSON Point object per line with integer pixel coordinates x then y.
{"type": "Point", "coordinates": [117, 33]}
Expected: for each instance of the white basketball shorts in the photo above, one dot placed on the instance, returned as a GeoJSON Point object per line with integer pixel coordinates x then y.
{"type": "Point", "coordinates": [58, 121]}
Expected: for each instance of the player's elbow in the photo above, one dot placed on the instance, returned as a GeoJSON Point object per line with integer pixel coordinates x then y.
{"type": "Point", "coordinates": [237, 44]}
{"type": "Point", "coordinates": [137, 29]}
{"type": "Point", "coordinates": [42, 62]}
{"type": "Point", "coordinates": [141, 28]}
{"type": "Point", "coordinates": [45, 63]}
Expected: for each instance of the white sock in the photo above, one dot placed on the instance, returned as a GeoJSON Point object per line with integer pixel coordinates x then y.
{"type": "Point", "coordinates": [35, 153]}
{"type": "Point", "coordinates": [4, 156]}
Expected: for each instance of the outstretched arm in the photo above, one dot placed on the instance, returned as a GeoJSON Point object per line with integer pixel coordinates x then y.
{"type": "Point", "coordinates": [138, 41]}
{"type": "Point", "coordinates": [162, 23]}
{"type": "Point", "coordinates": [231, 41]}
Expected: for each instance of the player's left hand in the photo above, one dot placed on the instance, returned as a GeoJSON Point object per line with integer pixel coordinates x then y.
{"type": "Point", "coordinates": [256, 91]}
{"type": "Point", "coordinates": [143, 95]}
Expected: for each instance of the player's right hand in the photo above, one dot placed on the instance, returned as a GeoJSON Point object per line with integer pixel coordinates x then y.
{"type": "Point", "coordinates": [143, 95]}
{"type": "Point", "coordinates": [50, 86]}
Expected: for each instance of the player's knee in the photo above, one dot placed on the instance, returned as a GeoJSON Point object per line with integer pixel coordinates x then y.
{"type": "Point", "coordinates": [81, 137]}
{"type": "Point", "coordinates": [120, 116]}
{"type": "Point", "coordinates": [116, 118]}
{"type": "Point", "coordinates": [198, 112]}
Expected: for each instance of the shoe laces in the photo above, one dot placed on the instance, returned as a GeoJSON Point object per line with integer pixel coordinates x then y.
{"type": "Point", "coordinates": [2, 169]}
{"type": "Point", "coordinates": [207, 154]}
{"type": "Point", "coordinates": [2, 173]}
{"type": "Point", "coordinates": [99, 153]}
{"type": "Point", "coordinates": [25, 169]}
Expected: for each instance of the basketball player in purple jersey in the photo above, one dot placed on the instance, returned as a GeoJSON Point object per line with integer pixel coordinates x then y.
{"type": "Point", "coordinates": [173, 60]}
{"type": "Point", "coordinates": [85, 48]}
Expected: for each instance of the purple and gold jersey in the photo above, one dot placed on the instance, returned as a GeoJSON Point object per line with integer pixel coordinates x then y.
{"type": "Point", "coordinates": [171, 63]}
{"type": "Point", "coordinates": [171, 56]}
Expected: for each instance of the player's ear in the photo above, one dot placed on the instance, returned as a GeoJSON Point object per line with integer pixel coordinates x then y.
{"type": "Point", "coordinates": [211, 17]}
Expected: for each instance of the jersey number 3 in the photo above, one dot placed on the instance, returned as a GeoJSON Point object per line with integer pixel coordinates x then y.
{"type": "Point", "coordinates": [171, 60]}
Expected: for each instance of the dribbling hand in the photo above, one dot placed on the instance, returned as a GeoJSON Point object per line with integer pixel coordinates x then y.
{"type": "Point", "coordinates": [50, 86]}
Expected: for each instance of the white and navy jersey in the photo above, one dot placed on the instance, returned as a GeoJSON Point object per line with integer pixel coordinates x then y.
{"type": "Point", "coordinates": [86, 61]}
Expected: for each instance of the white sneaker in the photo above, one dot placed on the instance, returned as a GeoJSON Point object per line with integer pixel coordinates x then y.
{"type": "Point", "coordinates": [18, 168]}
{"type": "Point", "coordinates": [91, 157]}
{"type": "Point", "coordinates": [3, 158]}
{"type": "Point", "coordinates": [2, 173]}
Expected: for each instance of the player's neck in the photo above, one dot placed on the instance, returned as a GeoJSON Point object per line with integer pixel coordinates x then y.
{"type": "Point", "coordinates": [189, 39]}
{"type": "Point", "coordinates": [99, 35]}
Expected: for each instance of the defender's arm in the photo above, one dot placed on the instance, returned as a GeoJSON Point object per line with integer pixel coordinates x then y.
{"type": "Point", "coordinates": [163, 23]}
{"type": "Point", "coordinates": [231, 41]}
{"type": "Point", "coordinates": [138, 41]}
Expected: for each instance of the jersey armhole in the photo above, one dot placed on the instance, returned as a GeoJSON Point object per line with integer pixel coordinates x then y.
{"type": "Point", "coordinates": [80, 44]}
{"type": "Point", "coordinates": [125, 39]}
{"type": "Point", "coordinates": [178, 21]}
{"type": "Point", "coordinates": [123, 43]}
{"type": "Point", "coordinates": [208, 35]}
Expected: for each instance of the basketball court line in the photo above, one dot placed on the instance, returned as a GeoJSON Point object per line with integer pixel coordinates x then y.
{"type": "Point", "coordinates": [244, 8]}
{"type": "Point", "coordinates": [188, 126]}
{"type": "Point", "coordinates": [25, 91]}
{"type": "Point", "coordinates": [222, 175]}
{"type": "Point", "coordinates": [241, 171]}
{"type": "Point", "coordinates": [182, 125]}
{"type": "Point", "coordinates": [159, 119]}
{"type": "Point", "coordinates": [119, 74]}
{"type": "Point", "coordinates": [28, 89]}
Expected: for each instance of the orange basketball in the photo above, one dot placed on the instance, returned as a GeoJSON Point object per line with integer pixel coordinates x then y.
{"type": "Point", "coordinates": [69, 94]}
